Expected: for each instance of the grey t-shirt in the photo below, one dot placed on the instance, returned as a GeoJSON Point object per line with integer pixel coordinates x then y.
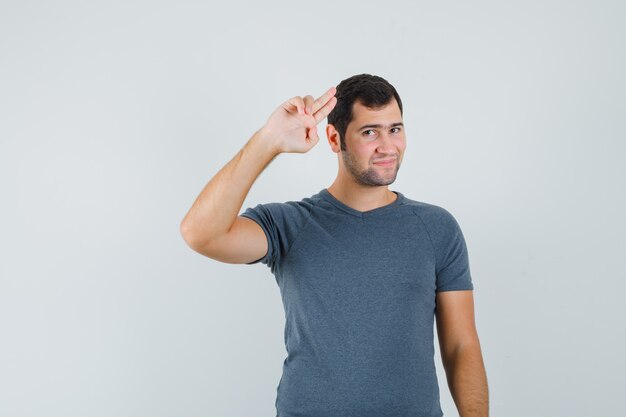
{"type": "Point", "coordinates": [358, 289]}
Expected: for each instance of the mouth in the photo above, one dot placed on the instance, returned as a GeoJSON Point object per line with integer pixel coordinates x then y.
{"type": "Point", "coordinates": [386, 162]}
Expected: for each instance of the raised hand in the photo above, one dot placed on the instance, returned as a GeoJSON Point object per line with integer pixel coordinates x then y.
{"type": "Point", "coordinates": [292, 127]}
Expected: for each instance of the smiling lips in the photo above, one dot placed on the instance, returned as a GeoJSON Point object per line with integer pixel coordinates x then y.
{"type": "Point", "coordinates": [386, 162]}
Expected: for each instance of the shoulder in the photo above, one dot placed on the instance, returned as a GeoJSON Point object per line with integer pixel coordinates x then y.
{"type": "Point", "coordinates": [302, 207]}
{"type": "Point", "coordinates": [432, 215]}
{"type": "Point", "coordinates": [292, 212]}
{"type": "Point", "coordinates": [440, 224]}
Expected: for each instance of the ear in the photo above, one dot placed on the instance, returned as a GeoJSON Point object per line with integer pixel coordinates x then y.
{"type": "Point", "coordinates": [333, 138]}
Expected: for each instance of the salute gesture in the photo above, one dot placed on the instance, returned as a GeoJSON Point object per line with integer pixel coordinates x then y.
{"type": "Point", "coordinates": [212, 225]}
{"type": "Point", "coordinates": [293, 125]}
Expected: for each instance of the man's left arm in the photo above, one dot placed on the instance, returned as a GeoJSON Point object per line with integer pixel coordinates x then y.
{"type": "Point", "coordinates": [461, 354]}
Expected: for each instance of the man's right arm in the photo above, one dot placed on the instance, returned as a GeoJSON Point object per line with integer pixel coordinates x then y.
{"type": "Point", "coordinates": [212, 226]}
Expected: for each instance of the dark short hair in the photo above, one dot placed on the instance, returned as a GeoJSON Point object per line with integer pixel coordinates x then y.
{"type": "Point", "coordinates": [370, 90]}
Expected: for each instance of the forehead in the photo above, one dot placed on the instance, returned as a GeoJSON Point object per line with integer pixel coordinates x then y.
{"type": "Point", "coordinates": [362, 115]}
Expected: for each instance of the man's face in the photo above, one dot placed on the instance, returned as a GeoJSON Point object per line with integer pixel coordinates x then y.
{"type": "Point", "coordinates": [373, 136]}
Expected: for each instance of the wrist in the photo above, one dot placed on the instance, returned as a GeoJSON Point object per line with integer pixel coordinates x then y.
{"type": "Point", "coordinates": [268, 140]}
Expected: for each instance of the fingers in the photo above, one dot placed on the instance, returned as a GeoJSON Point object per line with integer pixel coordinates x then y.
{"type": "Point", "coordinates": [319, 108]}
{"type": "Point", "coordinates": [295, 103]}
{"type": "Point", "coordinates": [325, 111]}
{"type": "Point", "coordinates": [324, 99]}
{"type": "Point", "coordinates": [313, 134]}
{"type": "Point", "coordinates": [308, 103]}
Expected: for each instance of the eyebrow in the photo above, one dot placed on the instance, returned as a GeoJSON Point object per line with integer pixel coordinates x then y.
{"type": "Point", "coordinates": [379, 126]}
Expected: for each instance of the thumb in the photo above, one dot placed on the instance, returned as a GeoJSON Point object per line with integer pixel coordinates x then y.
{"type": "Point", "coordinates": [313, 135]}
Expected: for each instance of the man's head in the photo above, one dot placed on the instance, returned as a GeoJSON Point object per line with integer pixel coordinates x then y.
{"type": "Point", "coordinates": [365, 128]}
{"type": "Point", "coordinates": [369, 90]}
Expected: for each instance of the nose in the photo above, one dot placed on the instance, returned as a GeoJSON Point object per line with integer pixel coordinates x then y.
{"type": "Point", "coordinates": [385, 144]}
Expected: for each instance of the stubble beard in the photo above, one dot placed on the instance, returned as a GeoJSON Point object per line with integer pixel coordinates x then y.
{"type": "Point", "coordinates": [370, 177]}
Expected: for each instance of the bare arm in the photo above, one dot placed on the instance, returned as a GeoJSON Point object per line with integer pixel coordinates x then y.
{"type": "Point", "coordinates": [461, 354]}
{"type": "Point", "coordinates": [291, 128]}
{"type": "Point", "coordinates": [215, 209]}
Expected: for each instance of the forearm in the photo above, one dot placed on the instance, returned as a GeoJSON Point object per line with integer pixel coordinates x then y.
{"type": "Point", "coordinates": [216, 208]}
{"type": "Point", "coordinates": [467, 380]}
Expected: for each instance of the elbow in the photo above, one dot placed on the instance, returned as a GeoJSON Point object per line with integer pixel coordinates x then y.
{"type": "Point", "coordinates": [186, 231]}
{"type": "Point", "coordinates": [450, 357]}
{"type": "Point", "coordinates": [194, 238]}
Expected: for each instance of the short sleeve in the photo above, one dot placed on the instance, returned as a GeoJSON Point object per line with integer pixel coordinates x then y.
{"type": "Point", "coordinates": [452, 260]}
{"type": "Point", "coordinates": [281, 223]}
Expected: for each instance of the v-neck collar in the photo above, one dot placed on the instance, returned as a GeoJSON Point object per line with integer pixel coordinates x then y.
{"type": "Point", "coordinates": [369, 213]}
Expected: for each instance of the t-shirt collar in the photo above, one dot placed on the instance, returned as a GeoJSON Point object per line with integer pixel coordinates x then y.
{"type": "Point", "coordinates": [373, 212]}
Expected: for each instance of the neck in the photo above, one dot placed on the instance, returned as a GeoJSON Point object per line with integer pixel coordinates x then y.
{"type": "Point", "coordinates": [360, 197]}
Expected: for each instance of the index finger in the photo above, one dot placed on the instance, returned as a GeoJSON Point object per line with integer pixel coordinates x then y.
{"type": "Point", "coordinates": [324, 98]}
{"type": "Point", "coordinates": [325, 111]}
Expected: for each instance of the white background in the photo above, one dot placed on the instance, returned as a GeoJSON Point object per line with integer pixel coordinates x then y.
{"type": "Point", "coordinates": [114, 115]}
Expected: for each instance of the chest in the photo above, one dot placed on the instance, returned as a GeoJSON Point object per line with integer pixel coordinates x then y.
{"type": "Point", "coordinates": [362, 257]}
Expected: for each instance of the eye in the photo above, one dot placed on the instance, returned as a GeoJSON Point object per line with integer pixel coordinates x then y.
{"type": "Point", "coordinates": [395, 130]}
{"type": "Point", "coordinates": [369, 132]}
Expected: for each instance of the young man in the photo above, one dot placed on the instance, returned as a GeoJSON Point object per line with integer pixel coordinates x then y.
{"type": "Point", "coordinates": [362, 270]}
